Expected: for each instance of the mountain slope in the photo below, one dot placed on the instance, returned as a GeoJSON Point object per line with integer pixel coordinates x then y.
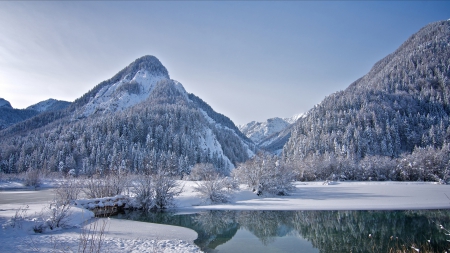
{"type": "Point", "coordinates": [10, 116]}
{"type": "Point", "coordinates": [5, 104]}
{"type": "Point", "coordinates": [257, 131]}
{"type": "Point", "coordinates": [270, 135]}
{"type": "Point", "coordinates": [402, 104]}
{"type": "Point", "coordinates": [49, 105]}
{"type": "Point", "coordinates": [129, 87]}
{"type": "Point", "coordinates": [139, 121]}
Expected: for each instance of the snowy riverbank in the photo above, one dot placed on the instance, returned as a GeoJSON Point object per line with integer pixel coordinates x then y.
{"type": "Point", "coordinates": [335, 196]}
{"type": "Point", "coordinates": [130, 236]}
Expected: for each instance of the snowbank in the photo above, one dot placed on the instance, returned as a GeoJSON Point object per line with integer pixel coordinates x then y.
{"type": "Point", "coordinates": [119, 236]}
{"type": "Point", "coordinates": [334, 196]}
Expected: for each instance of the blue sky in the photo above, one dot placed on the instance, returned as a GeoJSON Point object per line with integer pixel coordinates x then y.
{"type": "Point", "coordinates": [249, 60]}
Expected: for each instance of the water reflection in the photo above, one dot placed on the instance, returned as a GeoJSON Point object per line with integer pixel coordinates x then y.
{"type": "Point", "coordinates": [327, 231]}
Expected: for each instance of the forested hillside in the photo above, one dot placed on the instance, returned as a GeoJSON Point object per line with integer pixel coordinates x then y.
{"type": "Point", "coordinates": [139, 121]}
{"type": "Point", "coordinates": [393, 123]}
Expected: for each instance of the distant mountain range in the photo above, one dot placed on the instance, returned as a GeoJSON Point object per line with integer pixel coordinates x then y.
{"type": "Point", "coordinates": [270, 135]}
{"type": "Point", "coordinates": [10, 116]}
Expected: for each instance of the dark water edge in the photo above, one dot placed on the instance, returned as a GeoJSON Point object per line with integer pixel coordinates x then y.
{"type": "Point", "coordinates": [310, 231]}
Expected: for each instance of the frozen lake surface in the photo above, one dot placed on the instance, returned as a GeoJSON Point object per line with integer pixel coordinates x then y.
{"type": "Point", "coordinates": [337, 197]}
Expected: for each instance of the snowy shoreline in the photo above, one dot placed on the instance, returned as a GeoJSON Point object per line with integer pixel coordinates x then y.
{"type": "Point", "coordinates": [131, 236]}
{"type": "Point", "coordinates": [386, 195]}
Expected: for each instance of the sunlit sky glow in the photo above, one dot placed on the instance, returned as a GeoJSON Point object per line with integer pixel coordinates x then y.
{"type": "Point", "coordinates": [249, 60]}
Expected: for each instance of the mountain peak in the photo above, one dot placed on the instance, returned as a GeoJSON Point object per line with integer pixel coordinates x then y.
{"type": "Point", "coordinates": [130, 86]}
{"type": "Point", "coordinates": [49, 105]}
{"type": "Point", "coordinates": [5, 103]}
{"type": "Point", "coordinates": [149, 63]}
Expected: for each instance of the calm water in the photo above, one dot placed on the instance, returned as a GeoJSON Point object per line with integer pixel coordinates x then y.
{"type": "Point", "coordinates": [310, 231]}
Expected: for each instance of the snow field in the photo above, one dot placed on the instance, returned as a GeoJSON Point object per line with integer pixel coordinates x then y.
{"type": "Point", "coordinates": [333, 196]}
{"type": "Point", "coordinates": [119, 235]}
{"type": "Point", "coordinates": [132, 236]}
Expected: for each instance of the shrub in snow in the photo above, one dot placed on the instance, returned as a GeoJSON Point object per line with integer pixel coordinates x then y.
{"type": "Point", "coordinates": [39, 228]}
{"type": "Point", "coordinates": [33, 178]}
{"type": "Point", "coordinates": [57, 216]}
{"type": "Point", "coordinates": [166, 188]}
{"type": "Point", "coordinates": [424, 164]}
{"type": "Point", "coordinates": [265, 174]}
{"type": "Point", "coordinates": [51, 217]}
{"type": "Point", "coordinates": [109, 185]}
{"type": "Point", "coordinates": [202, 171]}
{"type": "Point", "coordinates": [216, 188]}
{"type": "Point", "coordinates": [154, 192]}
{"type": "Point", "coordinates": [92, 238]}
{"type": "Point", "coordinates": [105, 206]}
{"type": "Point", "coordinates": [18, 218]}
{"type": "Point", "coordinates": [68, 191]}
{"type": "Point", "coordinates": [143, 191]}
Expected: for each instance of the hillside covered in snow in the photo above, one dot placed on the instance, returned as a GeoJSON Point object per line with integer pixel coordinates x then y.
{"type": "Point", "coordinates": [270, 135]}
{"type": "Point", "coordinates": [391, 124]}
{"type": "Point", "coordinates": [139, 120]}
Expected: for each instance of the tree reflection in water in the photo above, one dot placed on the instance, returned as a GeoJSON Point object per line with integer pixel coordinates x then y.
{"type": "Point", "coordinates": [328, 231]}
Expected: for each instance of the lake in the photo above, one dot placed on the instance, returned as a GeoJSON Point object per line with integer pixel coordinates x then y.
{"type": "Point", "coordinates": [310, 231]}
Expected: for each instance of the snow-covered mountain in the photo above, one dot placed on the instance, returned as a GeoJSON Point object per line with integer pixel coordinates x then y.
{"type": "Point", "coordinates": [257, 131]}
{"type": "Point", "coordinates": [139, 120]}
{"type": "Point", "coordinates": [294, 118]}
{"type": "Point", "coordinates": [10, 116]}
{"type": "Point", "coordinates": [49, 105]}
{"type": "Point", "coordinates": [129, 87]}
{"type": "Point", "coordinates": [270, 135]}
{"type": "Point", "coordinates": [5, 103]}
{"type": "Point", "coordinates": [388, 124]}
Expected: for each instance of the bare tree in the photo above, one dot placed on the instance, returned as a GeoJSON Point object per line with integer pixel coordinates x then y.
{"type": "Point", "coordinates": [100, 186]}
{"type": "Point", "coordinates": [33, 178]}
{"type": "Point", "coordinates": [68, 191]}
{"type": "Point", "coordinates": [155, 192]}
{"type": "Point", "coordinates": [202, 171]}
{"type": "Point", "coordinates": [266, 174]}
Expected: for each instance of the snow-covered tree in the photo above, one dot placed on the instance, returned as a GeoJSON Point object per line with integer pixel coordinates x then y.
{"type": "Point", "coordinates": [266, 174]}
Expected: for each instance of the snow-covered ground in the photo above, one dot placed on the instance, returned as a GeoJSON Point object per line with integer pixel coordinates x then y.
{"type": "Point", "coordinates": [119, 235]}
{"type": "Point", "coordinates": [131, 236]}
{"type": "Point", "coordinates": [335, 196]}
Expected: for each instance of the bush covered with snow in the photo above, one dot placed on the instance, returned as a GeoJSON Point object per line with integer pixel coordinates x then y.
{"type": "Point", "coordinates": [155, 192]}
{"type": "Point", "coordinates": [216, 188]}
{"type": "Point", "coordinates": [99, 186]}
{"type": "Point", "coordinates": [266, 174]}
{"type": "Point", "coordinates": [33, 177]}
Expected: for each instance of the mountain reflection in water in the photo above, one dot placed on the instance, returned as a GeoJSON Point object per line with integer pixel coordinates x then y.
{"type": "Point", "coordinates": [327, 231]}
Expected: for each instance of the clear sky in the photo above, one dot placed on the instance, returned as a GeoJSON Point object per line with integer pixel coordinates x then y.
{"type": "Point", "coordinates": [249, 60]}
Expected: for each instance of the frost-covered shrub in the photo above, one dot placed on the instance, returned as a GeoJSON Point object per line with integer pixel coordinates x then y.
{"type": "Point", "coordinates": [155, 192]}
{"type": "Point", "coordinates": [33, 178]}
{"type": "Point", "coordinates": [57, 216]}
{"type": "Point", "coordinates": [166, 188]}
{"type": "Point", "coordinates": [216, 189]}
{"type": "Point", "coordinates": [265, 174]}
{"type": "Point", "coordinates": [68, 191]}
{"type": "Point", "coordinates": [202, 171]}
{"type": "Point", "coordinates": [18, 218]}
{"type": "Point", "coordinates": [143, 191]}
{"type": "Point", "coordinates": [100, 186]}
{"type": "Point", "coordinates": [51, 217]}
